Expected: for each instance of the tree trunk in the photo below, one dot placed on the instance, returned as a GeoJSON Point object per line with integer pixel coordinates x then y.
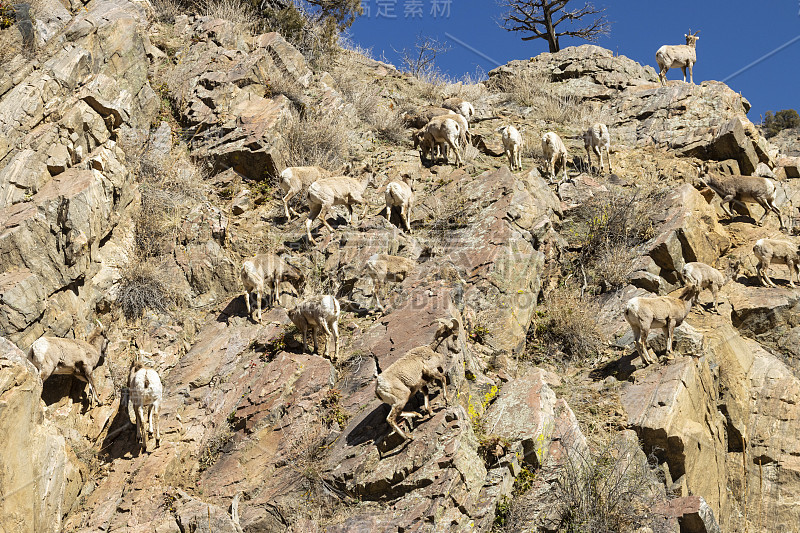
{"type": "Point", "coordinates": [552, 38]}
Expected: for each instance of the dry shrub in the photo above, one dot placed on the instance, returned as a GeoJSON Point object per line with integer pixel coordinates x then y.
{"type": "Point", "coordinates": [380, 114]}
{"type": "Point", "coordinates": [610, 488]}
{"type": "Point", "coordinates": [143, 285]}
{"type": "Point", "coordinates": [314, 36]}
{"type": "Point", "coordinates": [607, 228]}
{"type": "Point", "coordinates": [317, 138]}
{"type": "Point", "coordinates": [166, 10]}
{"type": "Point", "coordinates": [169, 186]}
{"type": "Point", "coordinates": [564, 328]}
{"type": "Point", "coordinates": [241, 14]}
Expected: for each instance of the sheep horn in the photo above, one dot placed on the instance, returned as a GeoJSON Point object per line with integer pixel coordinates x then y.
{"type": "Point", "coordinates": [695, 33]}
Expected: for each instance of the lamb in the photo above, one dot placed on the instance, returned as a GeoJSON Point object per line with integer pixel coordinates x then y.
{"type": "Point", "coordinates": [743, 189]}
{"type": "Point", "coordinates": [681, 56]}
{"type": "Point", "coordinates": [315, 313]}
{"type": "Point", "coordinates": [144, 390]}
{"type": "Point", "coordinates": [400, 195]}
{"type": "Point", "coordinates": [703, 276]}
{"type": "Point", "coordinates": [460, 106]}
{"type": "Point", "coordinates": [382, 268]}
{"type": "Point", "coordinates": [295, 179]}
{"type": "Point", "coordinates": [54, 355]}
{"type": "Point", "coordinates": [665, 312]}
{"type": "Point", "coordinates": [414, 370]}
{"type": "Point", "coordinates": [420, 116]}
{"type": "Point", "coordinates": [771, 251]}
{"type": "Point", "coordinates": [512, 142]}
{"type": "Point", "coordinates": [340, 190]}
{"type": "Point", "coordinates": [554, 152]}
{"type": "Point", "coordinates": [441, 129]}
{"type": "Point", "coordinates": [596, 139]}
{"type": "Point", "coordinates": [267, 271]}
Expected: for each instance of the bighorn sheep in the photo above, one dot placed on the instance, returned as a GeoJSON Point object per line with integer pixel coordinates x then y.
{"type": "Point", "coordinates": [665, 312]}
{"type": "Point", "coordinates": [315, 313]}
{"type": "Point", "coordinates": [596, 139]}
{"type": "Point", "coordinates": [512, 142]}
{"type": "Point", "coordinates": [144, 390]}
{"type": "Point", "coordinates": [263, 274]}
{"type": "Point", "coordinates": [771, 251]}
{"type": "Point", "coordinates": [413, 371]}
{"type": "Point", "coordinates": [743, 189]}
{"type": "Point", "coordinates": [460, 106]}
{"type": "Point", "coordinates": [327, 192]}
{"type": "Point", "coordinates": [400, 195]}
{"type": "Point", "coordinates": [554, 152]}
{"type": "Point", "coordinates": [681, 56]}
{"type": "Point", "coordinates": [382, 268]}
{"type": "Point", "coordinates": [54, 355]}
{"type": "Point", "coordinates": [420, 116]}
{"type": "Point", "coordinates": [295, 179]}
{"type": "Point", "coordinates": [442, 129]}
{"type": "Point", "coordinates": [703, 276]}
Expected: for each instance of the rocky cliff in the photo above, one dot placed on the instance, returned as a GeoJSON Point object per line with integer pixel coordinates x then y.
{"type": "Point", "coordinates": [138, 163]}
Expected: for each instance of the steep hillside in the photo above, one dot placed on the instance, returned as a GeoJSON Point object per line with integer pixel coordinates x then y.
{"type": "Point", "coordinates": [139, 156]}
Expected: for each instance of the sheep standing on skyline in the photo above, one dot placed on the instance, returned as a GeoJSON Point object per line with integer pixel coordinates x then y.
{"type": "Point", "coordinates": [681, 56]}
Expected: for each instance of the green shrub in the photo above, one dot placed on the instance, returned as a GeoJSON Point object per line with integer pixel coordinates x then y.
{"type": "Point", "coordinates": [782, 120]}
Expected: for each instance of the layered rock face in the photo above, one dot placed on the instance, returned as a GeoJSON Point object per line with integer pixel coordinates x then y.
{"type": "Point", "coordinates": [259, 436]}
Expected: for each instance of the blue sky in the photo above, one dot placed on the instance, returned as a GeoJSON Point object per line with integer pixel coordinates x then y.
{"type": "Point", "coordinates": [733, 34]}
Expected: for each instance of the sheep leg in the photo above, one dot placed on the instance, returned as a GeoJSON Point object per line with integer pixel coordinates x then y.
{"type": "Point", "coordinates": [564, 166]}
{"type": "Point", "coordinates": [286, 205]}
{"type": "Point", "coordinates": [683, 69]}
{"type": "Point", "coordinates": [258, 304]}
{"type": "Point", "coordinates": [315, 334]}
{"type": "Point", "coordinates": [375, 298]}
{"type": "Point", "coordinates": [312, 214]}
{"type": "Point", "coordinates": [670, 330]}
{"type": "Point", "coordinates": [404, 218]}
{"type": "Point", "coordinates": [589, 155]}
{"type": "Point", "coordinates": [766, 280]}
{"type": "Point", "coordinates": [335, 331]}
{"type": "Point", "coordinates": [305, 337]}
{"type": "Point", "coordinates": [791, 266]}
{"type": "Point", "coordinates": [392, 420]}
{"type": "Point", "coordinates": [326, 329]}
{"type": "Point", "coordinates": [552, 165]}
{"type": "Point", "coordinates": [599, 153]}
{"type": "Point", "coordinates": [140, 429]}
{"type": "Point", "coordinates": [510, 157]}
{"type": "Point", "coordinates": [691, 77]}
{"type": "Point", "coordinates": [247, 301]}
{"type": "Point", "coordinates": [608, 160]}
{"type": "Point", "coordinates": [714, 292]}
{"type": "Point", "coordinates": [86, 375]}
{"type": "Point", "coordinates": [324, 217]}
{"type": "Point", "coordinates": [154, 415]}
{"type": "Point", "coordinates": [454, 146]}
{"type": "Point", "coordinates": [727, 200]}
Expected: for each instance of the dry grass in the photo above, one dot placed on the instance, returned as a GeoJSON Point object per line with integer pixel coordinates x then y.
{"type": "Point", "coordinates": [551, 103]}
{"type": "Point", "coordinates": [564, 329]}
{"type": "Point", "coordinates": [317, 138]}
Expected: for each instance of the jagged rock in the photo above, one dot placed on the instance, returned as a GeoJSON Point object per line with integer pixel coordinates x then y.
{"type": "Point", "coordinates": [673, 411]}
{"type": "Point", "coordinates": [791, 166]}
{"type": "Point", "coordinates": [536, 411]}
{"type": "Point", "coordinates": [693, 514]}
{"type": "Point", "coordinates": [242, 203]}
{"type": "Point", "coordinates": [587, 71]}
{"type": "Point", "coordinates": [689, 231]}
{"type": "Point", "coordinates": [764, 171]}
{"type": "Point", "coordinates": [41, 478]}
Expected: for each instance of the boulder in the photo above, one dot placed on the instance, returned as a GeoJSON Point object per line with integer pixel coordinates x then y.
{"type": "Point", "coordinates": [42, 477]}
{"type": "Point", "coordinates": [791, 166]}
{"type": "Point", "coordinates": [693, 514]}
{"type": "Point", "coordinates": [688, 231]}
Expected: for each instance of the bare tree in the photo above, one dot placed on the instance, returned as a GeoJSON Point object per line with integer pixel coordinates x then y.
{"type": "Point", "coordinates": [421, 60]}
{"type": "Point", "coordinates": [542, 17]}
